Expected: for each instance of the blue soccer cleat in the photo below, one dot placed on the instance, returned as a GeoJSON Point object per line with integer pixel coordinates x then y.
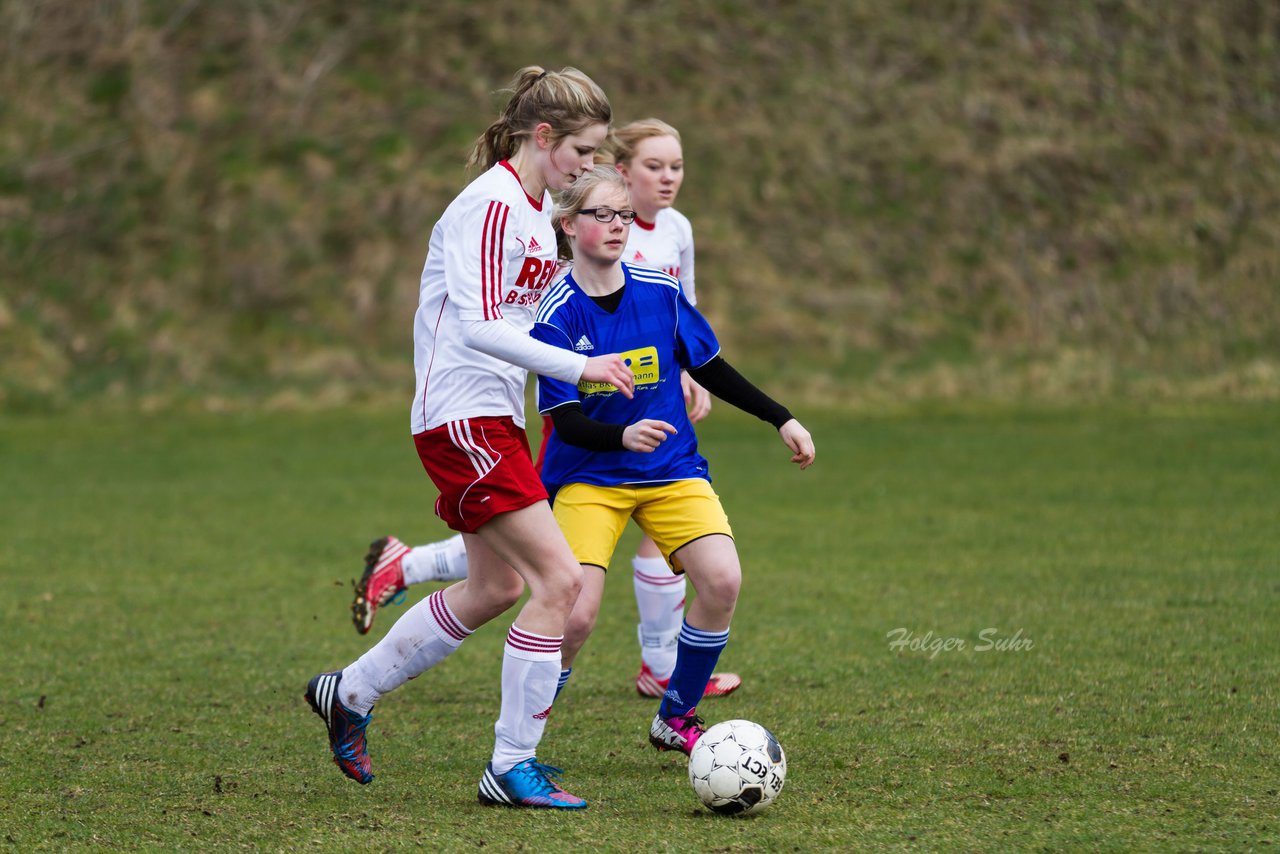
{"type": "Point", "coordinates": [528, 784]}
{"type": "Point", "coordinates": [346, 728]}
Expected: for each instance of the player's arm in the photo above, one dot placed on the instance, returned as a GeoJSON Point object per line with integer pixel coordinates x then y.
{"type": "Point", "coordinates": [696, 398]}
{"type": "Point", "coordinates": [723, 380]}
{"type": "Point", "coordinates": [476, 256]}
{"type": "Point", "coordinates": [686, 260]}
{"type": "Point", "coordinates": [501, 340]}
{"type": "Point", "coordinates": [575, 427]}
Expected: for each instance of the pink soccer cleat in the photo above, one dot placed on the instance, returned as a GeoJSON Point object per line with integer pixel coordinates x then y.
{"type": "Point", "coordinates": [719, 685]}
{"type": "Point", "coordinates": [382, 581]}
{"type": "Point", "coordinates": [678, 732]}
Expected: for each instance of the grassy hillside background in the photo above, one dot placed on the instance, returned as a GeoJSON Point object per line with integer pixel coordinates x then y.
{"type": "Point", "coordinates": [230, 201]}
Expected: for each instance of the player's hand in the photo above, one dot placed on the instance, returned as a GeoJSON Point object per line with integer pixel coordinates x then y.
{"type": "Point", "coordinates": [613, 370]}
{"type": "Point", "coordinates": [696, 398]}
{"type": "Point", "coordinates": [799, 441]}
{"type": "Point", "coordinates": [646, 435]}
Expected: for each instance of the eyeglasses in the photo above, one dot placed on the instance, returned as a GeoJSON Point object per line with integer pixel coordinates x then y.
{"type": "Point", "coordinates": [607, 215]}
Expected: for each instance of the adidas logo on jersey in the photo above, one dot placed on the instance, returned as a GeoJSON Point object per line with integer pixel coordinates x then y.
{"type": "Point", "coordinates": [584, 343]}
{"type": "Point", "coordinates": [533, 245]}
{"type": "Point", "coordinates": [638, 258]}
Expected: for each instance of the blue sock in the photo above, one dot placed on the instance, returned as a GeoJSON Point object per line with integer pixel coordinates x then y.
{"type": "Point", "coordinates": [564, 677]}
{"type": "Point", "coordinates": [696, 655]}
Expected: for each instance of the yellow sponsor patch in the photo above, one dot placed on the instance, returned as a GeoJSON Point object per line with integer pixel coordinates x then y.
{"type": "Point", "coordinates": [644, 367]}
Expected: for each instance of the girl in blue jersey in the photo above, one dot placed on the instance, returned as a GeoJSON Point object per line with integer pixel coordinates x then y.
{"type": "Point", "coordinates": [611, 458]}
{"type": "Point", "coordinates": [649, 155]}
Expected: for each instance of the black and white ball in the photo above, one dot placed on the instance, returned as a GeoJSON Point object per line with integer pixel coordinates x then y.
{"type": "Point", "coordinates": [737, 768]}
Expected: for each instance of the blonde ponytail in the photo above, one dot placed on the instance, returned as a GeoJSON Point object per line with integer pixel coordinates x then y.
{"type": "Point", "coordinates": [567, 100]}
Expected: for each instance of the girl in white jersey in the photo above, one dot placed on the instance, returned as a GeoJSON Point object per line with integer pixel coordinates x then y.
{"type": "Point", "coordinates": [649, 156]}
{"type": "Point", "coordinates": [491, 257]}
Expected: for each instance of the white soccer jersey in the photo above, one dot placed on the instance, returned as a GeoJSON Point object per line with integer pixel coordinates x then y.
{"type": "Point", "coordinates": [492, 256]}
{"type": "Point", "coordinates": [665, 244]}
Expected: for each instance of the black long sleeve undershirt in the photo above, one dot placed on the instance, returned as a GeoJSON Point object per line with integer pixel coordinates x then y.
{"type": "Point", "coordinates": [717, 376]}
{"type": "Point", "coordinates": [722, 379]}
{"type": "Point", "coordinates": [575, 428]}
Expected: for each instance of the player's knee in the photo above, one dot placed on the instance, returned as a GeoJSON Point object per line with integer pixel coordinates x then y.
{"type": "Point", "coordinates": [578, 629]}
{"type": "Point", "coordinates": [498, 593]}
{"type": "Point", "coordinates": [572, 585]}
{"type": "Point", "coordinates": [509, 593]}
{"type": "Point", "coordinates": [562, 586]}
{"type": "Point", "coordinates": [722, 588]}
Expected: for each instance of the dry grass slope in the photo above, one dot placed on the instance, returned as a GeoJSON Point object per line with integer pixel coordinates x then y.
{"type": "Point", "coordinates": [891, 198]}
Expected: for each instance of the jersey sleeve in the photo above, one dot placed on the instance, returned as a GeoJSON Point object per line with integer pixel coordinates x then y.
{"type": "Point", "coordinates": [686, 261]}
{"type": "Point", "coordinates": [477, 252]}
{"type": "Point", "coordinates": [503, 341]}
{"type": "Point", "coordinates": [553, 392]}
{"type": "Point", "coordinates": [696, 342]}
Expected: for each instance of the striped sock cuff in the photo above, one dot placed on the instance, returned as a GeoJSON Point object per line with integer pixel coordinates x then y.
{"type": "Point", "coordinates": [443, 622]}
{"type": "Point", "coordinates": [531, 647]}
{"type": "Point", "coordinates": [707, 640]}
{"type": "Point", "coordinates": [654, 570]}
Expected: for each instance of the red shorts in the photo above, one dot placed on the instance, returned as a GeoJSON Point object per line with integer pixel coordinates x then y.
{"type": "Point", "coordinates": [481, 467]}
{"type": "Point", "coordinates": [547, 426]}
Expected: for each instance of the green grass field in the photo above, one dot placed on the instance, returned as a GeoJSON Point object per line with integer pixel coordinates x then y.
{"type": "Point", "coordinates": [169, 584]}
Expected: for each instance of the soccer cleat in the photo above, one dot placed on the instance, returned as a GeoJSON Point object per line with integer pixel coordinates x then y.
{"type": "Point", "coordinates": [678, 732]}
{"type": "Point", "coordinates": [528, 784]}
{"type": "Point", "coordinates": [346, 728]}
{"type": "Point", "coordinates": [382, 581]}
{"type": "Point", "coordinates": [719, 685]}
{"type": "Point", "coordinates": [722, 684]}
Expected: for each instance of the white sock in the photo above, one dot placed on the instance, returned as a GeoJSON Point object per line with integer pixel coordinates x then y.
{"type": "Point", "coordinates": [424, 636]}
{"type": "Point", "coordinates": [660, 601]}
{"type": "Point", "coordinates": [530, 671]}
{"type": "Point", "coordinates": [442, 561]}
{"type": "Point", "coordinates": [659, 650]}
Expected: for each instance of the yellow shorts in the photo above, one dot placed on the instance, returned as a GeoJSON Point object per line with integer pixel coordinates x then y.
{"type": "Point", "coordinates": [673, 515]}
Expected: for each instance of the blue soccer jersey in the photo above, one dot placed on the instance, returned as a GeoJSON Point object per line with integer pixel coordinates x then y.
{"type": "Point", "coordinates": [659, 334]}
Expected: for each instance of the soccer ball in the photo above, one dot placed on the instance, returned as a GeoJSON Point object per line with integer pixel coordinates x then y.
{"type": "Point", "coordinates": [737, 768]}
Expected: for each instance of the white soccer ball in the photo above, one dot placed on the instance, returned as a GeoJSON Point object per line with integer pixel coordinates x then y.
{"type": "Point", "coordinates": [737, 768]}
